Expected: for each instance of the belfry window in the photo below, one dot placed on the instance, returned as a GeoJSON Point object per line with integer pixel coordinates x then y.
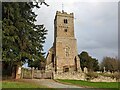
{"type": "Point", "coordinates": [65, 21]}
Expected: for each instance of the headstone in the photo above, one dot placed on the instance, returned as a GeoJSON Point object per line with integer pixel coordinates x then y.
{"type": "Point", "coordinates": [104, 70]}
{"type": "Point", "coordinates": [85, 70]}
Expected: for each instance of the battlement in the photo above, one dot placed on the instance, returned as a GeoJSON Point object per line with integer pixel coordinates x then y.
{"type": "Point", "coordinates": [59, 13]}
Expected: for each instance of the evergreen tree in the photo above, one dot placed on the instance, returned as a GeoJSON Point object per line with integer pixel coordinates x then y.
{"type": "Point", "coordinates": [88, 61]}
{"type": "Point", "coordinates": [22, 39]}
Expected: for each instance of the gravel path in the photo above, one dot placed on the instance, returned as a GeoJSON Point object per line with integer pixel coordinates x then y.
{"type": "Point", "coordinates": [50, 83]}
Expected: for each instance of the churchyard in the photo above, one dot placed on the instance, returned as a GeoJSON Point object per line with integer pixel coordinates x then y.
{"type": "Point", "coordinates": [62, 67]}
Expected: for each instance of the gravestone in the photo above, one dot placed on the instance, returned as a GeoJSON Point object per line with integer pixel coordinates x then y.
{"type": "Point", "coordinates": [85, 70]}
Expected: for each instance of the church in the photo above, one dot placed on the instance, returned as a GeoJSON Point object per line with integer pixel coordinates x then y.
{"type": "Point", "coordinates": [63, 56]}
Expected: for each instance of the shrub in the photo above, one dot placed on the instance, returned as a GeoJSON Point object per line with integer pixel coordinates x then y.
{"type": "Point", "coordinates": [91, 75]}
{"type": "Point", "coordinates": [112, 75]}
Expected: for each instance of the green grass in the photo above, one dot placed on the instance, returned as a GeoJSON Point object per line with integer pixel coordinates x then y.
{"type": "Point", "coordinates": [12, 84]}
{"type": "Point", "coordinates": [92, 84]}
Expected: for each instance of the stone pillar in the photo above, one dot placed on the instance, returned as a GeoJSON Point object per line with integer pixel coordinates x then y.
{"type": "Point", "coordinates": [18, 72]}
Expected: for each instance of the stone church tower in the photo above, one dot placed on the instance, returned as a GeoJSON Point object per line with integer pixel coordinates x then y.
{"type": "Point", "coordinates": [63, 56]}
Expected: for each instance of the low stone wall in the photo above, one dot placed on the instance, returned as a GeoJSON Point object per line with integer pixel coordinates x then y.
{"type": "Point", "coordinates": [103, 79]}
{"type": "Point", "coordinates": [82, 76]}
{"type": "Point", "coordinates": [26, 73]}
{"type": "Point", "coordinates": [70, 75]}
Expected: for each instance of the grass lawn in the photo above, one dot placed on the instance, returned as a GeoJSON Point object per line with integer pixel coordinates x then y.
{"type": "Point", "coordinates": [15, 84]}
{"type": "Point", "coordinates": [92, 84]}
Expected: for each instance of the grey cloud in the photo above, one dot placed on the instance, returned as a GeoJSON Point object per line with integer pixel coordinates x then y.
{"type": "Point", "coordinates": [95, 26]}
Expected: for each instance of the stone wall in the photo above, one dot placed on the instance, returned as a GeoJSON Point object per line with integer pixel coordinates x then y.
{"type": "Point", "coordinates": [82, 76]}
{"type": "Point", "coordinates": [70, 75]}
{"type": "Point", "coordinates": [103, 79]}
{"type": "Point", "coordinates": [27, 73]}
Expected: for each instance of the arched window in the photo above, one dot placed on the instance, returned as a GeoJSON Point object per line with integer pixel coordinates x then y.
{"type": "Point", "coordinates": [67, 51]}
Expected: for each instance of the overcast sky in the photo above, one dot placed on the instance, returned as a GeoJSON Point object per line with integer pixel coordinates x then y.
{"type": "Point", "coordinates": [95, 25]}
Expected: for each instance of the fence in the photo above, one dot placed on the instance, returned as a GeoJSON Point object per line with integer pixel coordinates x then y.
{"type": "Point", "coordinates": [37, 74]}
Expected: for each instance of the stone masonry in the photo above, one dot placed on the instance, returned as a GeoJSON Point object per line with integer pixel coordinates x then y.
{"type": "Point", "coordinates": [62, 56]}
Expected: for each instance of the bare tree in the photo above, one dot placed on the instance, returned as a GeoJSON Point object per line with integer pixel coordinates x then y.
{"type": "Point", "coordinates": [110, 63]}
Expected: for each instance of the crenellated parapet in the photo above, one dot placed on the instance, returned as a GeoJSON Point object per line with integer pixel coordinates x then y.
{"type": "Point", "coordinates": [65, 14]}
